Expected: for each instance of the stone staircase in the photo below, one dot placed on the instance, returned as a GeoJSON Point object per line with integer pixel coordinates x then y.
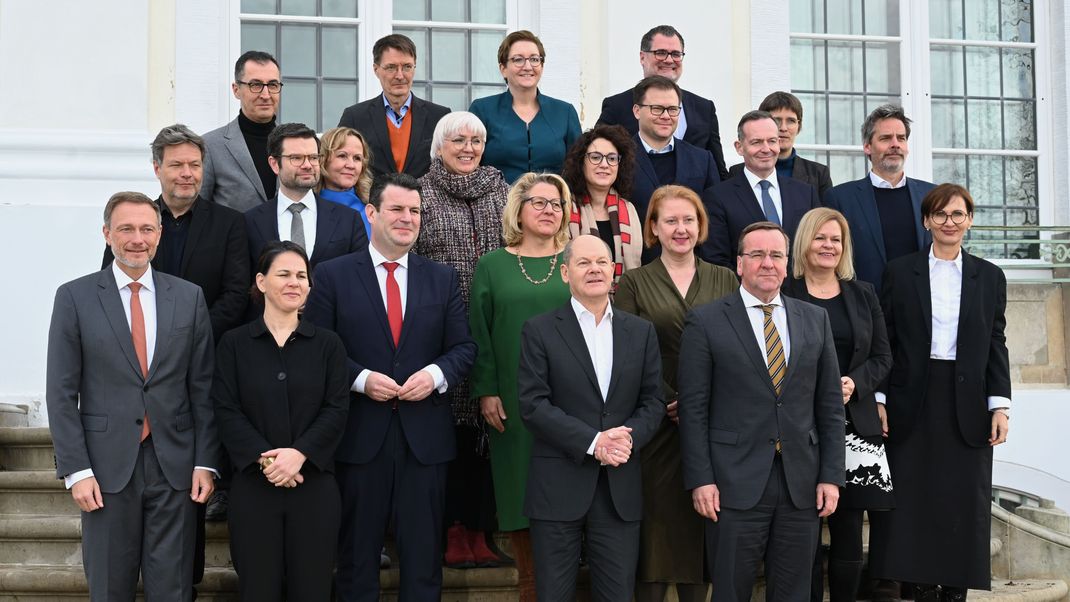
{"type": "Point", "coordinates": [41, 557]}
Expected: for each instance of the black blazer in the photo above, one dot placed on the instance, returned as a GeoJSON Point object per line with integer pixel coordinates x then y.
{"type": "Point", "coordinates": [732, 207]}
{"type": "Point", "coordinates": [346, 299]}
{"type": "Point", "coordinates": [982, 366]}
{"type": "Point", "coordinates": [702, 131]}
{"type": "Point", "coordinates": [813, 173]}
{"type": "Point", "coordinates": [561, 405]}
{"type": "Point", "coordinates": [369, 118]}
{"type": "Point", "coordinates": [871, 357]}
{"type": "Point", "coordinates": [215, 258]}
{"type": "Point", "coordinates": [266, 397]}
{"type": "Point", "coordinates": [339, 230]}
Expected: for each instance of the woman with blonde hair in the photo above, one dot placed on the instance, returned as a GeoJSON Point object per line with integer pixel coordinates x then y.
{"type": "Point", "coordinates": [345, 166]}
{"type": "Point", "coordinates": [510, 285]}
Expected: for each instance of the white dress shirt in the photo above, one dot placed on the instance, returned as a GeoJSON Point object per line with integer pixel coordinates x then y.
{"type": "Point", "coordinates": [599, 340]}
{"type": "Point", "coordinates": [401, 276]}
{"type": "Point", "coordinates": [308, 219]}
{"type": "Point", "coordinates": [774, 191]}
{"type": "Point", "coordinates": [757, 322]}
{"type": "Point", "coordinates": [650, 150]}
{"type": "Point", "coordinates": [879, 182]}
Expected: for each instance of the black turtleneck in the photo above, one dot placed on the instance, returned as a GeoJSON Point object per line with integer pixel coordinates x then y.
{"type": "Point", "coordinates": [256, 135]}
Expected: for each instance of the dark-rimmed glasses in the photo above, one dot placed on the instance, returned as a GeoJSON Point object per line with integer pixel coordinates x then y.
{"type": "Point", "coordinates": [658, 110]}
{"type": "Point", "coordinates": [518, 61]}
{"type": "Point", "coordinates": [661, 55]}
{"type": "Point", "coordinates": [255, 87]}
{"type": "Point", "coordinates": [596, 158]}
{"type": "Point", "coordinates": [940, 217]}
{"type": "Point", "coordinates": [539, 203]}
{"type": "Point", "coordinates": [299, 160]}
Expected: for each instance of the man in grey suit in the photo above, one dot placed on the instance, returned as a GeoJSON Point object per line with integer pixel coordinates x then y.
{"type": "Point", "coordinates": [761, 425]}
{"type": "Point", "coordinates": [590, 409]}
{"type": "Point", "coordinates": [236, 170]}
{"type": "Point", "coordinates": [128, 379]}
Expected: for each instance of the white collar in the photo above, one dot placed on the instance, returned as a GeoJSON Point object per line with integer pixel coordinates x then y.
{"type": "Point", "coordinates": [880, 182]}
{"type": "Point", "coordinates": [123, 280]}
{"type": "Point", "coordinates": [933, 260]}
{"type": "Point", "coordinates": [753, 178]}
{"type": "Point", "coordinates": [284, 203]}
{"type": "Point", "coordinates": [651, 150]}
{"type": "Point", "coordinates": [750, 300]}
{"type": "Point", "coordinates": [581, 310]}
{"type": "Point", "coordinates": [379, 259]}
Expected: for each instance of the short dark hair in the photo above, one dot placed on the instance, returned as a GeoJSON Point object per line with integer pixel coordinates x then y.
{"type": "Point", "coordinates": [402, 180]}
{"type": "Point", "coordinates": [881, 113]}
{"type": "Point", "coordinates": [256, 56]}
{"type": "Point", "coordinates": [288, 130]}
{"type": "Point", "coordinates": [747, 118]}
{"type": "Point", "coordinates": [521, 35]}
{"type": "Point", "coordinates": [127, 196]}
{"type": "Point", "coordinates": [572, 170]}
{"type": "Point", "coordinates": [762, 226]}
{"type": "Point", "coordinates": [941, 196]}
{"type": "Point", "coordinates": [664, 30]}
{"type": "Point", "coordinates": [269, 254]}
{"type": "Point", "coordinates": [658, 82]}
{"type": "Point", "coordinates": [782, 100]}
{"type": "Point", "coordinates": [174, 135]}
{"type": "Point", "coordinates": [394, 41]}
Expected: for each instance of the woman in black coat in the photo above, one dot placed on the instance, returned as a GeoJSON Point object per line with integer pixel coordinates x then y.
{"type": "Point", "coordinates": [948, 399]}
{"type": "Point", "coordinates": [823, 274]}
{"type": "Point", "coordinates": [281, 394]}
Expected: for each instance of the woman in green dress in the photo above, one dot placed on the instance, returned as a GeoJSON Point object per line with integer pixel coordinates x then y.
{"type": "Point", "coordinates": [663, 291]}
{"type": "Point", "coordinates": [510, 285]}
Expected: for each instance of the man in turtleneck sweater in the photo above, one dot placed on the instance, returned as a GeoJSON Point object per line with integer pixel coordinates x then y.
{"type": "Point", "coordinates": [883, 208]}
{"type": "Point", "coordinates": [236, 170]}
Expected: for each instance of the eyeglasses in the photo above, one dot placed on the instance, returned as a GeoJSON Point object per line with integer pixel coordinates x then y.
{"type": "Point", "coordinates": [518, 61]}
{"type": "Point", "coordinates": [785, 121]}
{"type": "Point", "coordinates": [461, 142]}
{"type": "Point", "coordinates": [299, 160]}
{"type": "Point", "coordinates": [760, 256]}
{"type": "Point", "coordinates": [661, 55]}
{"type": "Point", "coordinates": [406, 68]}
{"type": "Point", "coordinates": [596, 158]}
{"type": "Point", "coordinates": [539, 203]}
{"type": "Point", "coordinates": [658, 110]}
{"type": "Point", "coordinates": [940, 218]}
{"type": "Point", "coordinates": [273, 87]}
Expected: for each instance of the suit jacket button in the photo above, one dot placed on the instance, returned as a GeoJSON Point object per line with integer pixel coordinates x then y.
{"type": "Point", "coordinates": [605, 413]}
{"type": "Point", "coordinates": [779, 403]}
{"type": "Point", "coordinates": [962, 379]}
{"type": "Point", "coordinates": [281, 376]}
{"type": "Point", "coordinates": [145, 388]}
{"type": "Point", "coordinates": [138, 422]}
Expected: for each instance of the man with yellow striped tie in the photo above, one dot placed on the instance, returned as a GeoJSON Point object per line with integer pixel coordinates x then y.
{"type": "Point", "coordinates": [761, 425]}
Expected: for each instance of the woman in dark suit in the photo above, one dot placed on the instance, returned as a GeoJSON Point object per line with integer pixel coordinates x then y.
{"type": "Point", "coordinates": [948, 398]}
{"type": "Point", "coordinates": [281, 393]}
{"type": "Point", "coordinates": [823, 274]}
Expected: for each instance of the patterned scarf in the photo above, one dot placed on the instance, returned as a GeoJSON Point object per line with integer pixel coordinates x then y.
{"type": "Point", "coordinates": [625, 224]}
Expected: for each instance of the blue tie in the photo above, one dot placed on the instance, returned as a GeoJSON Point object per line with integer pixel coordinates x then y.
{"type": "Point", "coordinates": [767, 203]}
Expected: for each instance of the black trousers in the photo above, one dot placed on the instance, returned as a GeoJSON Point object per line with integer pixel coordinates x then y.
{"type": "Point", "coordinates": [469, 489]}
{"type": "Point", "coordinates": [395, 487]}
{"type": "Point", "coordinates": [775, 531]}
{"type": "Point", "coordinates": [612, 552]}
{"type": "Point", "coordinates": [280, 537]}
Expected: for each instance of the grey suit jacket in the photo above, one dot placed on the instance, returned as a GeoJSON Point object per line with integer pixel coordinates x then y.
{"type": "Point", "coordinates": [230, 177]}
{"type": "Point", "coordinates": [95, 392]}
{"type": "Point", "coordinates": [730, 416]}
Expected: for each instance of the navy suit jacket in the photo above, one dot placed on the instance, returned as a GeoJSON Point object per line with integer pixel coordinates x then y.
{"type": "Point", "coordinates": [702, 130]}
{"type": "Point", "coordinates": [732, 207]}
{"type": "Point", "coordinates": [855, 200]}
{"type": "Point", "coordinates": [339, 230]}
{"type": "Point", "coordinates": [346, 299]}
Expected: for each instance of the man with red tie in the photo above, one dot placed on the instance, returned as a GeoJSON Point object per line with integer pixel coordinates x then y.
{"type": "Point", "coordinates": [405, 330]}
{"type": "Point", "coordinates": [128, 380]}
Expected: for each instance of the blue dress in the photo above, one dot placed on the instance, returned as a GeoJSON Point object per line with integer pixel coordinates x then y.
{"type": "Point", "coordinates": [516, 148]}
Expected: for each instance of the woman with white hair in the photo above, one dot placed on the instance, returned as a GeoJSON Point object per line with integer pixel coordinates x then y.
{"type": "Point", "coordinates": [460, 222]}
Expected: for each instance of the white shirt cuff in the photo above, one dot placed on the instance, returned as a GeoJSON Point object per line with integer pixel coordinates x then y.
{"type": "Point", "coordinates": [74, 477]}
{"type": "Point", "coordinates": [880, 397]}
{"type": "Point", "coordinates": [438, 377]}
{"type": "Point", "coordinates": [362, 378]}
{"type": "Point", "coordinates": [996, 401]}
{"type": "Point", "coordinates": [590, 449]}
{"type": "Point", "coordinates": [211, 470]}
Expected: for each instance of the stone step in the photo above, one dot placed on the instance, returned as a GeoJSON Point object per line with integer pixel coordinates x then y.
{"type": "Point", "coordinates": [34, 492]}
{"type": "Point", "coordinates": [14, 414]}
{"type": "Point", "coordinates": [26, 448]}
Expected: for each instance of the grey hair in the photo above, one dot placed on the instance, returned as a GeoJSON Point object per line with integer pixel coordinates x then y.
{"type": "Point", "coordinates": [452, 124]}
{"type": "Point", "coordinates": [881, 113]}
{"type": "Point", "coordinates": [173, 135]}
{"type": "Point", "coordinates": [748, 117]}
{"type": "Point", "coordinates": [567, 253]}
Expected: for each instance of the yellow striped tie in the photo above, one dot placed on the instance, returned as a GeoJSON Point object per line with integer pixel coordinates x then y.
{"type": "Point", "coordinates": [774, 350]}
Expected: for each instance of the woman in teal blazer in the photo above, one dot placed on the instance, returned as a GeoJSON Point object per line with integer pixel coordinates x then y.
{"type": "Point", "coordinates": [526, 130]}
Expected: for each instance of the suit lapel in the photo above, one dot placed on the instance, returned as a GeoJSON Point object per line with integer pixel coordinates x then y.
{"type": "Point", "coordinates": [916, 196]}
{"type": "Point", "coordinates": [419, 118]}
{"type": "Point", "coordinates": [643, 161]}
{"type": "Point", "coordinates": [797, 334]}
{"type": "Point", "coordinates": [790, 206]}
{"type": "Point", "coordinates": [569, 329]}
{"type": "Point", "coordinates": [266, 220]}
{"type": "Point", "coordinates": [969, 289]}
{"type": "Point", "coordinates": [326, 222]}
{"type": "Point", "coordinates": [412, 292]}
{"type": "Point", "coordinates": [857, 314]}
{"type": "Point", "coordinates": [620, 353]}
{"type": "Point", "coordinates": [736, 313]}
{"type": "Point", "coordinates": [370, 283]}
{"type": "Point", "coordinates": [240, 151]}
{"type": "Point", "coordinates": [925, 297]}
{"type": "Point", "coordinates": [868, 204]}
{"type": "Point", "coordinates": [165, 319]}
{"type": "Point", "coordinates": [112, 303]}
{"type": "Point", "coordinates": [377, 117]}
{"type": "Point", "coordinates": [747, 199]}
{"type": "Point", "coordinates": [198, 223]}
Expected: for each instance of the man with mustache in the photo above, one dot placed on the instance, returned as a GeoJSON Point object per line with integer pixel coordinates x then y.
{"type": "Point", "coordinates": [883, 208]}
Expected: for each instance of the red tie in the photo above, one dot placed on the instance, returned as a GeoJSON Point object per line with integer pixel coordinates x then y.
{"type": "Point", "coordinates": [137, 330]}
{"type": "Point", "coordinates": [393, 301]}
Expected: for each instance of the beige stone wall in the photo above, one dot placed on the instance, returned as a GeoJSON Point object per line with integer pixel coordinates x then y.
{"type": "Point", "coordinates": [1036, 335]}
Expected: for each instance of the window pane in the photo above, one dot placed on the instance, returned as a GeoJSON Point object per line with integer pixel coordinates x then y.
{"type": "Point", "coordinates": [847, 74]}
{"type": "Point", "coordinates": [258, 36]}
{"type": "Point", "coordinates": [420, 90]}
{"type": "Point", "coordinates": [848, 113]}
{"type": "Point", "coordinates": [449, 51]}
{"type": "Point", "coordinates": [882, 67]}
{"type": "Point", "coordinates": [261, 7]}
{"type": "Point", "coordinates": [298, 51]}
{"type": "Point", "coordinates": [488, 11]}
{"type": "Point", "coordinates": [1020, 123]}
{"type": "Point", "coordinates": [481, 91]}
{"type": "Point", "coordinates": [1017, 20]}
{"type": "Point", "coordinates": [1018, 73]}
{"type": "Point", "coordinates": [984, 123]}
{"type": "Point", "coordinates": [872, 102]}
{"type": "Point", "coordinates": [807, 65]}
{"type": "Point", "coordinates": [485, 56]}
{"type": "Point", "coordinates": [340, 8]}
{"type": "Point", "coordinates": [981, 21]}
{"type": "Point", "coordinates": [339, 51]}
{"type": "Point", "coordinates": [306, 8]}
{"type": "Point", "coordinates": [949, 124]}
{"type": "Point", "coordinates": [949, 168]}
{"type": "Point", "coordinates": [299, 103]}
{"type": "Point", "coordinates": [807, 16]}
{"type": "Point", "coordinates": [452, 96]}
{"type": "Point", "coordinates": [982, 71]}
{"type": "Point", "coordinates": [448, 10]}
{"type": "Point", "coordinates": [336, 97]}
{"type": "Point", "coordinates": [410, 10]}
{"type": "Point", "coordinates": [1021, 181]}
{"type": "Point", "coordinates": [844, 167]}
{"type": "Point", "coordinates": [881, 17]}
{"type": "Point", "coordinates": [985, 180]}
{"type": "Point", "coordinates": [815, 124]}
{"type": "Point", "coordinates": [945, 63]}
{"type": "Point", "coordinates": [945, 19]}
{"type": "Point", "coordinates": [844, 16]}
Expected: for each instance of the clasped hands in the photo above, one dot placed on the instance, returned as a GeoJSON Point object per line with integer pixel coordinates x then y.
{"type": "Point", "coordinates": [282, 466]}
{"type": "Point", "coordinates": [613, 447]}
{"type": "Point", "coordinates": [381, 387]}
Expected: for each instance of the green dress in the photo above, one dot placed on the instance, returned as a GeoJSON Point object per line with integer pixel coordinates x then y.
{"type": "Point", "coordinates": [501, 301]}
{"type": "Point", "coordinates": [671, 535]}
